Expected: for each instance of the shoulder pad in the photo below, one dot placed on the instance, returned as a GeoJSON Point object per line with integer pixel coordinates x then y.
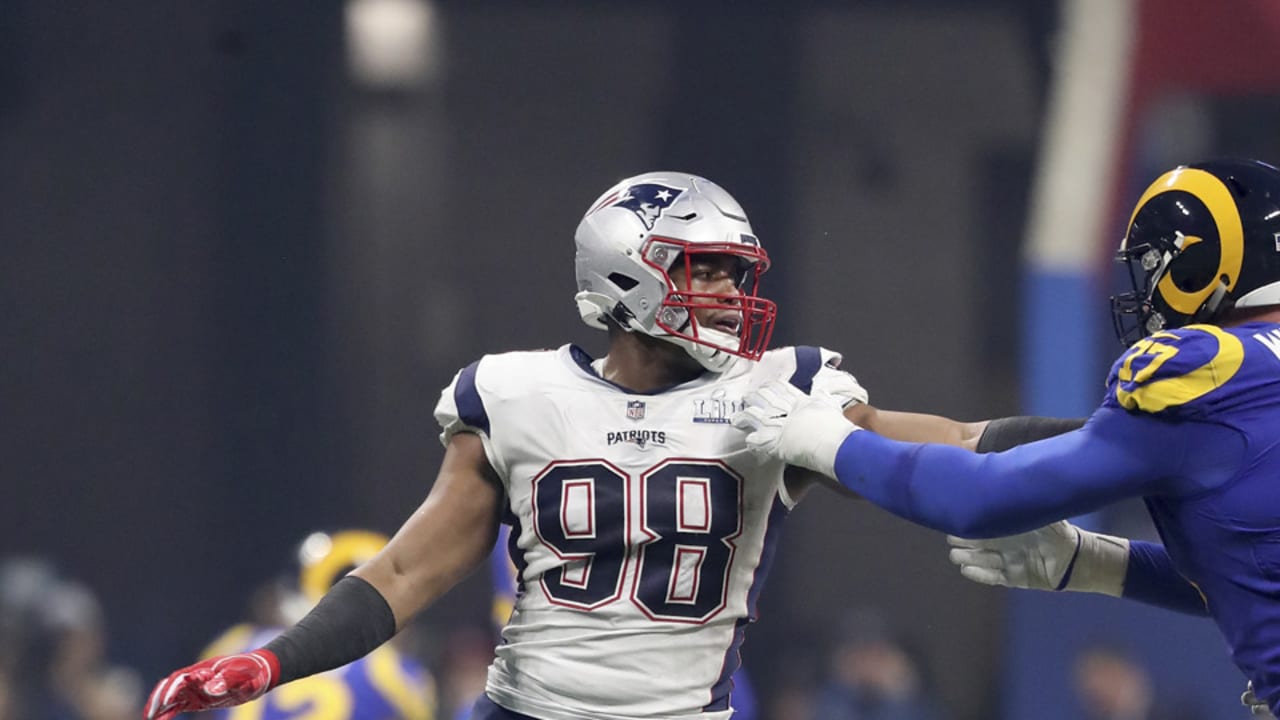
{"type": "Point", "coordinates": [461, 406]}
{"type": "Point", "coordinates": [811, 368]}
{"type": "Point", "coordinates": [1172, 368]}
{"type": "Point", "coordinates": [480, 388]}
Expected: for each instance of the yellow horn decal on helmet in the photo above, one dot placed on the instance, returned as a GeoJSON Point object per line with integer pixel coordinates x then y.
{"type": "Point", "coordinates": [347, 550]}
{"type": "Point", "coordinates": [1226, 216]}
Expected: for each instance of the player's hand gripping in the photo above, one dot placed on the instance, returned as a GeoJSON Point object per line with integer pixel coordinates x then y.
{"type": "Point", "coordinates": [1037, 560]}
{"type": "Point", "coordinates": [803, 430]}
{"type": "Point", "coordinates": [214, 683]}
{"type": "Point", "coordinates": [1059, 556]}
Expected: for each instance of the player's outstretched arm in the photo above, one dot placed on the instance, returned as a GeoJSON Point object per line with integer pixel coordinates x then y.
{"type": "Point", "coordinates": [983, 435]}
{"type": "Point", "coordinates": [1058, 556]}
{"type": "Point", "coordinates": [915, 427]}
{"type": "Point", "coordinates": [898, 425]}
{"type": "Point", "coordinates": [444, 539]}
{"type": "Point", "coordinates": [947, 488]}
{"type": "Point", "coordinates": [964, 493]}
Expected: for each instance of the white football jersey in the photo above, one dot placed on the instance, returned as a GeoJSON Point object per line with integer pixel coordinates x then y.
{"type": "Point", "coordinates": [642, 528]}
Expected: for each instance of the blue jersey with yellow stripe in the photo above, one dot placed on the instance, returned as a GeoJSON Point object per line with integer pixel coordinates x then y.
{"type": "Point", "coordinates": [1190, 423]}
{"type": "Point", "coordinates": [1224, 539]}
{"type": "Point", "coordinates": [383, 685]}
{"type": "Point", "coordinates": [1201, 372]}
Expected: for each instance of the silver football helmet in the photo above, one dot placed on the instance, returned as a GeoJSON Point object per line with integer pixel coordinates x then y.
{"type": "Point", "coordinates": [633, 236]}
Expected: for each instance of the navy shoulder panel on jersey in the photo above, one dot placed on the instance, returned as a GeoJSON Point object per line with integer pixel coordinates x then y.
{"type": "Point", "coordinates": [1174, 370]}
{"type": "Point", "coordinates": [808, 363]}
{"type": "Point", "coordinates": [465, 395]}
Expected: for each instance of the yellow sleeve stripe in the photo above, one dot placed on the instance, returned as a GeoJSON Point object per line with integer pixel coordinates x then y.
{"type": "Point", "coordinates": [385, 674]}
{"type": "Point", "coordinates": [1174, 391]}
{"type": "Point", "coordinates": [502, 609]}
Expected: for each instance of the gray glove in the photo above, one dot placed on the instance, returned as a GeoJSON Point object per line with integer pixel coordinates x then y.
{"type": "Point", "coordinates": [1058, 556]}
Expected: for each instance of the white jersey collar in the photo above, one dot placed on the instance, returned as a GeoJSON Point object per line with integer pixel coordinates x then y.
{"type": "Point", "coordinates": [589, 367]}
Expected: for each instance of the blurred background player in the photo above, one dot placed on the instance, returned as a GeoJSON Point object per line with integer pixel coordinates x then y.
{"type": "Point", "coordinates": [1112, 684]}
{"type": "Point", "coordinates": [873, 675]}
{"type": "Point", "coordinates": [386, 684]}
{"type": "Point", "coordinates": [53, 663]}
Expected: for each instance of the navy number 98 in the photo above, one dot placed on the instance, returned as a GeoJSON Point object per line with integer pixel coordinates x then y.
{"type": "Point", "coordinates": [688, 515]}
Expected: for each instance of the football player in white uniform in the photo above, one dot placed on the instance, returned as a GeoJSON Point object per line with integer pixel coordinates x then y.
{"type": "Point", "coordinates": [642, 527]}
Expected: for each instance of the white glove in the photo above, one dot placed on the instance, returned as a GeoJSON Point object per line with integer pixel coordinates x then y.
{"type": "Point", "coordinates": [799, 429]}
{"type": "Point", "coordinates": [1041, 560]}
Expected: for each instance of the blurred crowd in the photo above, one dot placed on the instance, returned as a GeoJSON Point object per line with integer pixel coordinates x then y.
{"type": "Point", "coordinates": [872, 671]}
{"type": "Point", "coordinates": [860, 669]}
{"type": "Point", "coordinates": [54, 666]}
{"type": "Point", "coordinates": [53, 663]}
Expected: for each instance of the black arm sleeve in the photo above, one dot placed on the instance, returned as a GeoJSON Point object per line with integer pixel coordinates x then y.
{"type": "Point", "coordinates": [348, 623]}
{"type": "Point", "coordinates": [1004, 433]}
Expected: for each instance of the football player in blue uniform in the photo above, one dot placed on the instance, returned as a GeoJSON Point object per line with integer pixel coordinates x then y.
{"type": "Point", "coordinates": [383, 685]}
{"type": "Point", "coordinates": [1190, 422]}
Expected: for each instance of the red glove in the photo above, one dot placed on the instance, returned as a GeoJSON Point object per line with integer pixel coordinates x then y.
{"type": "Point", "coordinates": [216, 682]}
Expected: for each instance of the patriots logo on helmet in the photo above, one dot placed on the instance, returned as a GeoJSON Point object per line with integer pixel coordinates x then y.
{"type": "Point", "coordinates": [647, 201]}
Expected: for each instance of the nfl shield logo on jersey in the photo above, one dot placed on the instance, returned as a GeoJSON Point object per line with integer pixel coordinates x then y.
{"type": "Point", "coordinates": [635, 409]}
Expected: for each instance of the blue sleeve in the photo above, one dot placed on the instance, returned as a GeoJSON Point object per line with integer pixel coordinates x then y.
{"type": "Point", "coordinates": [1117, 454]}
{"type": "Point", "coordinates": [1152, 579]}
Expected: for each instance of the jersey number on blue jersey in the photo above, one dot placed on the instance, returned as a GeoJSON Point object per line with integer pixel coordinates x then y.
{"type": "Point", "coordinates": [689, 513]}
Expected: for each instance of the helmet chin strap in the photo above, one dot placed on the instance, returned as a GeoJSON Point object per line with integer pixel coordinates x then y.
{"type": "Point", "coordinates": [710, 353]}
{"type": "Point", "coordinates": [711, 356]}
{"type": "Point", "coordinates": [591, 306]}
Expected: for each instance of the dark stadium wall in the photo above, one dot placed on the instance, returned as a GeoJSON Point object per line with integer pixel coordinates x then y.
{"type": "Point", "coordinates": [168, 424]}
{"type": "Point", "coordinates": [909, 172]}
{"type": "Point", "coordinates": [236, 280]}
